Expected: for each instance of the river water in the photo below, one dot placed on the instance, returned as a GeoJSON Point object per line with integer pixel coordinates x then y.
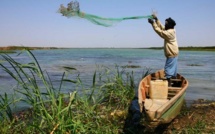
{"type": "Point", "coordinates": [196, 66]}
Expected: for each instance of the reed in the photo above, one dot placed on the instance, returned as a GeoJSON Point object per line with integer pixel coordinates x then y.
{"type": "Point", "coordinates": [100, 108]}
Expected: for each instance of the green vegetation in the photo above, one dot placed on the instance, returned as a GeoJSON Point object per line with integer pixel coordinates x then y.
{"type": "Point", "coordinates": [189, 48]}
{"type": "Point", "coordinates": [101, 108]}
{"type": "Point", "coordinates": [207, 48]}
{"type": "Point", "coordinates": [7, 51]}
{"type": "Point", "coordinates": [212, 48]}
{"type": "Point", "coordinates": [13, 49]}
{"type": "Point", "coordinates": [9, 48]}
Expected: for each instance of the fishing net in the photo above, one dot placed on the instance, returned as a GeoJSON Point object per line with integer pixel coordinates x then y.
{"type": "Point", "coordinates": [73, 10]}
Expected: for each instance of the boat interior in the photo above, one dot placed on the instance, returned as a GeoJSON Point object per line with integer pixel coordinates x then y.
{"type": "Point", "coordinates": [156, 92]}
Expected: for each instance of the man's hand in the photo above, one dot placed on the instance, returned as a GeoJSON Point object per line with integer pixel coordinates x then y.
{"type": "Point", "coordinates": [150, 21]}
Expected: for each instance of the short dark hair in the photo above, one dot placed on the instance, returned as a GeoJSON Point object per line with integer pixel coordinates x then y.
{"type": "Point", "coordinates": [171, 22]}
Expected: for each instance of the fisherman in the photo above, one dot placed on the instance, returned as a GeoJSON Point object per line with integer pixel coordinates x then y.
{"type": "Point", "coordinates": [171, 50]}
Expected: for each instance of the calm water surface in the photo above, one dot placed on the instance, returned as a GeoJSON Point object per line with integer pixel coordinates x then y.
{"type": "Point", "coordinates": [197, 67]}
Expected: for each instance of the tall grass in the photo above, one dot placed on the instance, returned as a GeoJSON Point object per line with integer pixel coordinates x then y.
{"type": "Point", "coordinates": [102, 109]}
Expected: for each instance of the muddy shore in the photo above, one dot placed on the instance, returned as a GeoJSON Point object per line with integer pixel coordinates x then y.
{"type": "Point", "coordinates": [197, 118]}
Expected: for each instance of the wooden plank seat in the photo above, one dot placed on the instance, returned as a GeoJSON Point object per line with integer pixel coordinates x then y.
{"type": "Point", "coordinates": [174, 88]}
{"type": "Point", "coordinates": [172, 94]}
{"type": "Point", "coordinates": [158, 78]}
{"type": "Point", "coordinates": [172, 91]}
{"type": "Point", "coordinates": [179, 80]}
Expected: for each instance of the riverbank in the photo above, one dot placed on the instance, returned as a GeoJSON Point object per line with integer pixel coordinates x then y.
{"type": "Point", "coordinates": [198, 118]}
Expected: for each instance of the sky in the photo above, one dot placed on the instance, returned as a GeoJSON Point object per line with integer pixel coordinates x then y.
{"type": "Point", "coordinates": [36, 23]}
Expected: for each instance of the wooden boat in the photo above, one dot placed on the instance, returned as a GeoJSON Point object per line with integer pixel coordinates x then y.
{"type": "Point", "coordinates": [158, 101]}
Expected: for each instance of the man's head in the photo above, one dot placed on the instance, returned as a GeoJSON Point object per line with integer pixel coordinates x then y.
{"type": "Point", "coordinates": [169, 23]}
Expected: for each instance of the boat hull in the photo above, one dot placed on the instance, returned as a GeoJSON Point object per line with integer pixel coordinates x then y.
{"type": "Point", "coordinates": [167, 110]}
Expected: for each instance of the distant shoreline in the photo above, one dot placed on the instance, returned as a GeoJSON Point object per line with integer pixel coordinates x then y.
{"type": "Point", "coordinates": [12, 49]}
{"type": "Point", "coordinates": [206, 48]}
{"type": "Point", "coordinates": [189, 48]}
{"type": "Point", "coordinates": [24, 47]}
